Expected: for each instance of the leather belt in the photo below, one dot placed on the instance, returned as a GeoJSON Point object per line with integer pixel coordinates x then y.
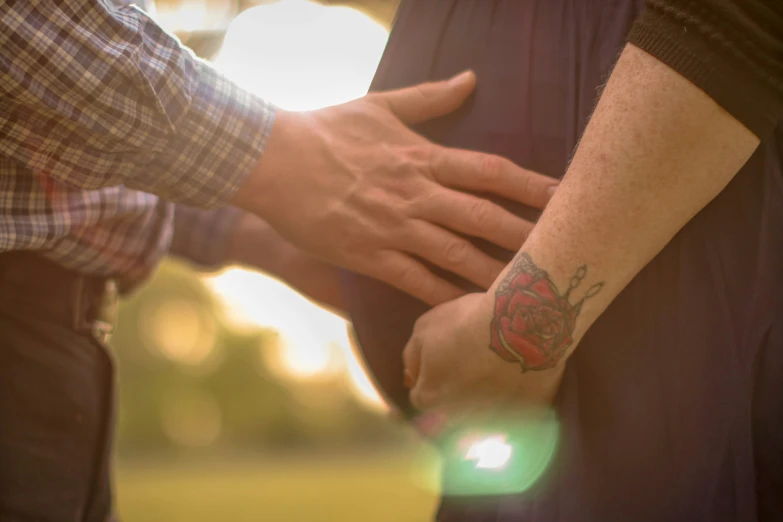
{"type": "Point", "coordinates": [33, 286]}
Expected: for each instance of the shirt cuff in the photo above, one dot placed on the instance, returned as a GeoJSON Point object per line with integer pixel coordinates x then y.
{"type": "Point", "coordinates": [215, 145]}
{"type": "Point", "coordinates": [203, 236]}
{"type": "Point", "coordinates": [685, 48]}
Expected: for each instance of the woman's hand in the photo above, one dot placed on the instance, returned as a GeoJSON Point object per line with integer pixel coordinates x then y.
{"type": "Point", "coordinates": [451, 367]}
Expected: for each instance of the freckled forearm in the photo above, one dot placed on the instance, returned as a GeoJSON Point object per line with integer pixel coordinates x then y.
{"type": "Point", "coordinates": [655, 152]}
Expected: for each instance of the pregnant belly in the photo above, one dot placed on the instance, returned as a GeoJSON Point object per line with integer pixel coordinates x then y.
{"type": "Point", "coordinates": [539, 64]}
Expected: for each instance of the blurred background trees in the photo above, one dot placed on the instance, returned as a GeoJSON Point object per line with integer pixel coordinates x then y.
{"type": "Point", "coordinates": [212, 426]}
{"type": "Point", "coordinates": [192, 382]}
{"type": "Point", "coordinates": [237, 360]}
{"type": "Point", "coordinates": [239, 399]}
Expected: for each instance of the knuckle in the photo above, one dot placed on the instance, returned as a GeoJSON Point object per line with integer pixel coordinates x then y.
{"type": "Point", "coordinates": [411, 348]}
{"type": "Point", "coordinates": [457, 252]}
{"type": "Point", "coordinates": [410, 194]}
{"type": "Point", "coordinates": [525, 183]}
{"type": "Point", "coordinates": [490, 168]}
{"type": "Point", "coordinates": [416, 96]}
{"type": "Point", "coordinates": [480, 212]}
{"type": "Point", "coordinates": [428, 157]}
{"type": "Point", "coordinates": [423, 398]}
{"type": "Point", "coordinates": [423, 91]}
{"type": "Point", "coordinates": [417, 398]}
{"type": "Point", "coordinates": [409, 275]}
{"type": "Point", "coordinates": [412, 279]}
{"type": "Point", "coordinates": [419, 204]}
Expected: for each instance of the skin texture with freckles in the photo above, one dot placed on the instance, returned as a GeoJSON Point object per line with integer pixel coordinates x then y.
{"type": "Point", "coordinates": [655, 152]}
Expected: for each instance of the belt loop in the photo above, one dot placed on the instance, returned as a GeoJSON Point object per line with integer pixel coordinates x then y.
{"type": "Point", "coordinates": [106, 314]}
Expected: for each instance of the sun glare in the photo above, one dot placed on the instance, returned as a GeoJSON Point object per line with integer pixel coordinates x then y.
{"type": "Point", "coordinates": [185, 16]}
{"type": "Point", "coordinates": [313, 345]}
{"type": "Point", "coordinates": [299, 55]}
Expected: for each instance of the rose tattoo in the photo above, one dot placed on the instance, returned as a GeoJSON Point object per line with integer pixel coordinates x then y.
{"type": "Point", "coordinates": [532, 322]}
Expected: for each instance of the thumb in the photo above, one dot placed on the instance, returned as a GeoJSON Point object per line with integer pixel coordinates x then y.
{"type": "Point", "coordinates": [426, 101]}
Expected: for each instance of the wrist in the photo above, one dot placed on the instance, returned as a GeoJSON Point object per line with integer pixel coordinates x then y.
{"type": "Point", "coordinates": [474, 319]}
{"type": "Point", "coordinates": [254, 243]}
{"type": "Point", "coordinates": [203, 237]}
{"type": "Point", "coordinates": [290, 138]}
{"type": "Point", "coordinates": [536, 319]}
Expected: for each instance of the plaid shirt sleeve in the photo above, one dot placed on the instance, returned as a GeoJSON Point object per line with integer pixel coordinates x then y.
{"type": "Point", "coordinates": [96, 95]}
{"type": "Point", "coordinates": [202, 236]}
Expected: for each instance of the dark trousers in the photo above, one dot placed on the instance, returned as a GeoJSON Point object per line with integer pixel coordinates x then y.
{"type": "Point", "coordinates": [56, 410]}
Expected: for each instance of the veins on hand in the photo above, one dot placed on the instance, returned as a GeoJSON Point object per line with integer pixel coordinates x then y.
{"type": "Point", "coordinates": [532, 322]}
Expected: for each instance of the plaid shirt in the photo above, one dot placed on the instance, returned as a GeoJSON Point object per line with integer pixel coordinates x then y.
{"type": "Point", "coordinates": [116, 143]}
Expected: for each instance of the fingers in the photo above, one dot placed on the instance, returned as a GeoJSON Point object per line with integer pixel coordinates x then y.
{"type": "Point", "coordinates": [475, 217]}
{"type": "Point", "coordinates": [489, 173]}
{"type": "Point", "coordinates": [421, 399]}
{"type": "Point", "coordinates": [452, 253]}
{"type": "Point", "coordinates": [428, 100]}
{"type": "Point", "coordinates": [411, 357]}
{"type": "Point", "coordinates": [405, 273]}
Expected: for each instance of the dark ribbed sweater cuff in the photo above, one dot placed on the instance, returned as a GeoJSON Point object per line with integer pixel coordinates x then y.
{"type": "Point", "coordinates": [707, 66]}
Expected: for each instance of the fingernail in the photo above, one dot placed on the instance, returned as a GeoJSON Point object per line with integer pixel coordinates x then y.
{"type": "Point", "coordinates": [407, 379]}
{"type": "Point", "coordinates": [461, 77]}
{"type": "Point", "coordinates": [551, 190]}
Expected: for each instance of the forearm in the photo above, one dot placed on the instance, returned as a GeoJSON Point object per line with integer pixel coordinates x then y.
{"type": "Point", "coordinates": [655, 152]}
{"type": "Point", "coordinates": [731, 49]}
{"type": "Point", "coordinates": [204, 237]}
{"type": "Point", "coordinates": [255, 244]}
{"type": "Point", "coordinates": [97, 96]}
{"type": "Point", "coordinates": [226, 236]}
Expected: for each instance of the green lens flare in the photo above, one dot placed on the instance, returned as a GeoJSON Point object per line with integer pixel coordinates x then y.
{"type": "Point", "coordinates": [503, 457]}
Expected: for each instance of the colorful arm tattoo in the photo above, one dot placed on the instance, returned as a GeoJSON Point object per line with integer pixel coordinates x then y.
{"type": "Point", "coordinates": [532, 323]}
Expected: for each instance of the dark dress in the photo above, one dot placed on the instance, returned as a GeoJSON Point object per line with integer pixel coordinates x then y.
{"type": "Point", "coordinates": [671, 408]}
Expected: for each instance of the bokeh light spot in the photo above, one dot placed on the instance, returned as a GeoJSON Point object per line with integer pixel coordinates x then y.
{"type": "Point", "coordinates": [502, 455]}
{"type": "Point", "coordinates": [179, 330]}
{"type": "Point", "coordinates": [490, 452]}
{"type": "Point", "coordinates": [191, 418]}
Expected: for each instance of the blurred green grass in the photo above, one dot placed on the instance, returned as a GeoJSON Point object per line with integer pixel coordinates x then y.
{"type": "Point", "coordinates": [375, 487]}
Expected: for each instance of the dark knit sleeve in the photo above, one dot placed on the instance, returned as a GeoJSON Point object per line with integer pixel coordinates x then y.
{"type": "Point", "coordinates": [731, 49]}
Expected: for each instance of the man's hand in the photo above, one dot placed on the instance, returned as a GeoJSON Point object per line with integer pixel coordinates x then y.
{"type": "Point", "coordinates": [355, 186]}
{"type": "Point", "coordinates": [257, 245]}
{"type": "Point", "coordinates": [451, 368]}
